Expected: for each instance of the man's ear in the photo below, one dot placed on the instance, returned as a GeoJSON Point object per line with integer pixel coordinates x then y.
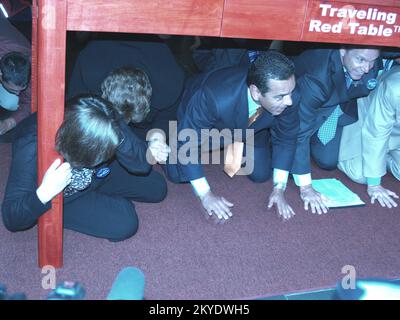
{"type": "Point", "coordinates": [255, 92]}
{"type": "Point", "coordinates": [342, 52]}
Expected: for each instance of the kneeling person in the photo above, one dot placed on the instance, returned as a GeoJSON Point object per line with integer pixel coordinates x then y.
{"type": "Point", "coordinates": [372, 145]}
{"type": "Point", "coordinates": [256, 98]}
{"type": "Point", "coordinates": [130, 91]}
{"type": "Point", "coordinates": [105, 169]}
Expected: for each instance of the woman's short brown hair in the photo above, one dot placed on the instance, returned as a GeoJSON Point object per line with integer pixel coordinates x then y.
{"type": "Point", "coordinates": [89, 134]}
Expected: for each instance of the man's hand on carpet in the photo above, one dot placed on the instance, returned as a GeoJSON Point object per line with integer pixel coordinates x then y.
{"type": "Point", "coordinates": [277, 198]}
{"type": "Point", "coordinates": [383, 195]}
{"type": "Point", "coordinates": [217, 206]}
{"type": "Point", "coordinates": [313, 198]}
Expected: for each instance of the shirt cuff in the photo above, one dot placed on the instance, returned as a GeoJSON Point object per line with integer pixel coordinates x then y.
{"type": "Point", "coordinates": [280, 176]}
{"type": "Point", "coordinates": [373, 181]}
{"type": "Point", "coordinates": [302, 179]}
{"type": "Point", "coordinates": [200, 186]}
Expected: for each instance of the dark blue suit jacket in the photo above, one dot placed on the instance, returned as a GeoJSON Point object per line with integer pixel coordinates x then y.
{"type": "Point", "coordinates": [321, 85]}
{"type": "Point", "coordinates": [100, 57]}
{"type": "Point", "coordinates": [218, 99]}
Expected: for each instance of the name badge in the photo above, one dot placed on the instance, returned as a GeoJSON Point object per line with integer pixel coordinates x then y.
{"type": "Point", "coordinates": [103, 172]}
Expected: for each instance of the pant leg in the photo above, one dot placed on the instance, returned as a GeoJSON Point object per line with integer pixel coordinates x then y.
{"type": "Point", "coordinates": [393, 163]}
{"type": "Point", "coordinates": [143, 188]}
{"type": "Point", "coordinates": [101, 215]}
{"type": "Point", "coordinates": [262, 165]}
{"type": "Point", "coordinates": [353, 169]}
{"type": "Point", "coordinates": [261, 157]}
{"type": "Point", "coordinates": [107, 211]}
{"type": "Point", "coordinates": [326, 156]}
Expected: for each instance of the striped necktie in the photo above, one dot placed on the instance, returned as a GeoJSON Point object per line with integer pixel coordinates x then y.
{"type": "Point", "coordinates": [253, 54]}
{"type": "Point", "coordinates": [388, 64]}
{"type": "Point", "coordinates": [328, 129]}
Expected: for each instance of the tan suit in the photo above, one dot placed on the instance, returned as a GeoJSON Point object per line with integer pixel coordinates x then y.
{"type": "Point", "coordinates": [372, 144]}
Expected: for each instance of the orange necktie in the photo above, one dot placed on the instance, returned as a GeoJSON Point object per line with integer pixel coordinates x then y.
{"type": "Point", "coordinates": [234, 151]}
{"type": "Point", "coordinates": [233, 158]}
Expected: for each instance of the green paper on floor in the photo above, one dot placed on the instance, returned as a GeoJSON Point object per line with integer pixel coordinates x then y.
{"type": "Point", "coordinates": [339, 195]}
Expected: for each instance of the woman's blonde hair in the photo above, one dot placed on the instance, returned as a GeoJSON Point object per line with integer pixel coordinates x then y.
{"type": "Point", "coordinates": [129, 90]}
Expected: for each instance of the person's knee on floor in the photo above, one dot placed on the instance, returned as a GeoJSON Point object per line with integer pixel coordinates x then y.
{"type": "Point", "coordinates": [326, 163]}
{"type": "Point", "coordinates": [127, 227]}
{"type": "Point", "coordinates": [260, 175]}
{"type": "Point", "coordinates": [353, 169]}
{"type": "Point", "coordinates": [324, 159]}
{"type": "Point", "coordinates": [159, 188]}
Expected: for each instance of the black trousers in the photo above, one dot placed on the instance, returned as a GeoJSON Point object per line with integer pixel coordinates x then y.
{"type": "Point", "coordinates": [106, 211]}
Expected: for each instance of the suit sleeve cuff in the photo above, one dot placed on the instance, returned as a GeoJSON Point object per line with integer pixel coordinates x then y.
{"type": "Point", "coordinates": [36, 206]}
{"type": "Point", "coordinates": [280, 176]}
{"type": "Point", "coordinates": [200, 186]}
{"type": "Point", "coordinates": [373, 181]}
{"type": "Point", "coordinates": [302, 179]}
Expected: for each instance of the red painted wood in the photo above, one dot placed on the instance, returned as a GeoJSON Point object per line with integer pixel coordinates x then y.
{"type": "Point", "coordinates": [378, 22]}
{"type": "Point", "coordinates": [290, 20]}
{"type": "Point", "coordinates": [389, 3]}
{"type": "Point", "coordinates": [257, 19]}
{"type": "Point", "coordinates": [196, 17]}
{"type": "Point", "coordinates": [51, 78]}
{"type": "Point", "coordinates": [261, 19]}
{"type": "Point", "coordinates": [34, 56]}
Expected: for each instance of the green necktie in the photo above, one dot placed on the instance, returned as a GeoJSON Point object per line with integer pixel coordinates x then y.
{"type": "Point", "coordinates": [328, 129]}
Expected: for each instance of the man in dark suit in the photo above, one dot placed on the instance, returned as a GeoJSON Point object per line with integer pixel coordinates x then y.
{"type": "Point", "coordinates": [149, 54]}
{"type": "Point", "coordinates": [329, 82]}
{"type": "Point", "coordinates": [105, 168]}
{"type": "Point", "coordinates": [254, 101]}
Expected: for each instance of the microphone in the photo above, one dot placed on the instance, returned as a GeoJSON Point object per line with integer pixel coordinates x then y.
{"type": "Point", "coordinates": [129, 285]}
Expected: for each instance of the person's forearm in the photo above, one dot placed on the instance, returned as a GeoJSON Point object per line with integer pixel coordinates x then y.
{"type": "Point", "coordinates": [131, 153]}
{"type": "Point", "coordinates": [23, 213]}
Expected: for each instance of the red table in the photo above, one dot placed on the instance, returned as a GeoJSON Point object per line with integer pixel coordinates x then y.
{"type": "Point", "coordinates": [356, 22]}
